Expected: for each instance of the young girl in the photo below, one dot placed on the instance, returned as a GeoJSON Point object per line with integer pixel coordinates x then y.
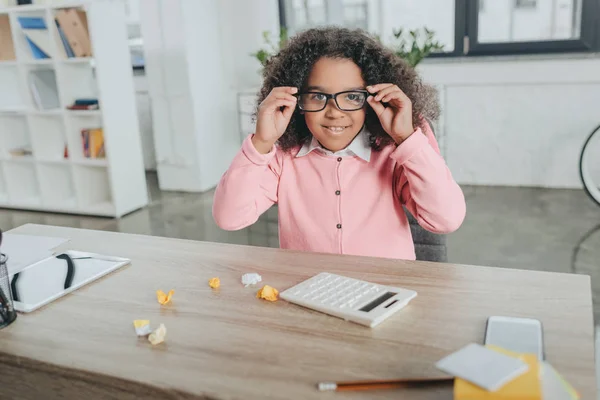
{"type": "Point", "coordinates": [341, 144]}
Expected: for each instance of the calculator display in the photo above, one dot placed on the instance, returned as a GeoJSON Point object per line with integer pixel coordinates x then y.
{"type": "Point", "coordinates": [378, 301]}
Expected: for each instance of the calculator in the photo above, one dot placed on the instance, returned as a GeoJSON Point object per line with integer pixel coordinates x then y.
{"type": "Point", "coordinates": [351, 299]}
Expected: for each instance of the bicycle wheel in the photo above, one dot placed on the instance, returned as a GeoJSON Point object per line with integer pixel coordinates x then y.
{"type": "Point", "coordinates": [589, 165]}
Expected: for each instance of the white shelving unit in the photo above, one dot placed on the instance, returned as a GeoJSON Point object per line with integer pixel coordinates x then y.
{"type": "Point", "coordinates": [44, 178]}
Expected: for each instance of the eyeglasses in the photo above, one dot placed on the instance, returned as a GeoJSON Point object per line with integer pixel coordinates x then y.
{"type": "Point", "coordinates": [350, 100]}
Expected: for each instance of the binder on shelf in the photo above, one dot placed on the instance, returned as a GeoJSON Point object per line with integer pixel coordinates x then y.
{"type": "Point", "coordinates": [37, 36]}
{"type": "Point", "coordinates": [93, 143]}
{"type": "Point", "coordinates": [73, 23]}
{"type": "Point", "coordinates": [41, 41]}
{"type": "Point", "coordinates": [36, 52]}
{"type": "Point", "coordinates": [65, 43]}
{"type": "Point", "coordinates": [32, 23]}
{"type": "Point", "coordinates": [86, 102]}
{"type": "Point", "coordinates": [7, 47]}
{"type": "Point", "coordinates": [85, 141]}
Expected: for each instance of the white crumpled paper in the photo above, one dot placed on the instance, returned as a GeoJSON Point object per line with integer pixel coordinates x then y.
{"type": "Point", "coordinates": [251, 279]}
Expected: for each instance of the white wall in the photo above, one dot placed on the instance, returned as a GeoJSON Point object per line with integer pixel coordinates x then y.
{"type": "Point", "coordinates": [517, 121]}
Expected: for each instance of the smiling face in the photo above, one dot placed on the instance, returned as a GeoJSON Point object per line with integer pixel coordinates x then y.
{"type": "Point", "coordinates": [333, 128]}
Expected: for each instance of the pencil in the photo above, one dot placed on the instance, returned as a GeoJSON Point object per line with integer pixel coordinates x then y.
{"type": "Point", "coordinates": [382, 384]}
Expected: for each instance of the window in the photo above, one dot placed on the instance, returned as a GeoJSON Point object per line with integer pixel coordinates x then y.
{"type": "Point", "coordinates": [525, 3]}
{"type": "Point", "coordinates": [300, 15]}
{"type": "Point", "coordinates": [463, 27]}
{"type": "Point", "coordinates": [532, 26]}
{"type": "Point", "coordinates": [502, 22]}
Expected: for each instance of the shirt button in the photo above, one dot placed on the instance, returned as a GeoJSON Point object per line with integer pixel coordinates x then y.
{"type": "Point", "coordinates": [339, 226]}
{"type": "Point", "coordinates": [337, 192]}
{"type": "Point", "coordinates": [339, 159]}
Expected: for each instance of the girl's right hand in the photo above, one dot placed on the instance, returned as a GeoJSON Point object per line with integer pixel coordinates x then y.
{"type": "Point", "coordinates": [274, 115]}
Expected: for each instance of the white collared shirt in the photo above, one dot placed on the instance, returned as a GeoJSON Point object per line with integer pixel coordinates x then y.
{"type": "Point", "coordinates": [358, 147]}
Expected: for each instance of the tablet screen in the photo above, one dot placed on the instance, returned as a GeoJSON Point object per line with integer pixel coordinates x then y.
{"type": "Point", "coordinates": [50, 278]}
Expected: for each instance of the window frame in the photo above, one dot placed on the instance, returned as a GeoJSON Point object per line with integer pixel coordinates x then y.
{"type": "Point", "coordinates": [586, 42]}
{"type": "Point", "coordinates": [466, 44]}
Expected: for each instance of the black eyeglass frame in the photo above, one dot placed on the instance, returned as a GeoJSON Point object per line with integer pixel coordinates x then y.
{"type": "Point", "coordinates": [334, 97]}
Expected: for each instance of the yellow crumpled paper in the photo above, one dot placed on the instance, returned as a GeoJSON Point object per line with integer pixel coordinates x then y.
{"type": "Point", "coordinates": [142, 327]}
{"type": "Point", "coordinates": [268, 293]}
{"type": "Point", "coordinates": [214, 283]}
{"type": "Point", "coordinates": [158, 336]}
{"type": "Point", "coordinates": [164, 298]}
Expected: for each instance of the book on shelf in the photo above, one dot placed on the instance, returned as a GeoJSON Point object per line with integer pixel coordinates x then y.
{"type": "Point", "coordinates": [93, 143]}
{"type": "Point", "coordinates": [83, 107]}
{"type": "Point", "coordinates": [73, 26]}
{"type": "Point", "coordinates": [37, 36]}
{"type": "Point", "coordinates": [7, 47]}
{"type": "Point", "coordinates": [20, 151]}
{"type": "Point", "coordinates": [84, 104]}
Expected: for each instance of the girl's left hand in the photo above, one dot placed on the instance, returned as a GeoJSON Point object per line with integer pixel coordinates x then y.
{"type": "Point", "coordinates": [396, 117]}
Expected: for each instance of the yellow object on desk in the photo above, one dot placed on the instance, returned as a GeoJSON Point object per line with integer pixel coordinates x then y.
{"type": "Point", "coordinates": [163, 298]}
{"type": "Point", "coordinates": [159, 335]}
{"type": "Point", "coordinates": [524, 387]}
{"type": "Point", "coordinates": [268, 293]}
{"type": "Point", "coordinates": [142, 327]}
{"type": "Point", "coordinates": [214, 283]}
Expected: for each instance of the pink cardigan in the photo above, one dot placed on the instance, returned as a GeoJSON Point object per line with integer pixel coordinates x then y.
{"type": "Point", "coordinates": [343, 205]}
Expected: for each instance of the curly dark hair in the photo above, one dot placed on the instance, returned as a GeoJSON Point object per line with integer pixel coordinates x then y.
{"type": "Point", "coordinates": [292, 65]}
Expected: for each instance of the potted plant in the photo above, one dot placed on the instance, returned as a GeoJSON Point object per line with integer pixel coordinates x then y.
{"type": "Point", "coordinates": [263, 54]}
{"type": "Point", "coordinates": [416, 45]}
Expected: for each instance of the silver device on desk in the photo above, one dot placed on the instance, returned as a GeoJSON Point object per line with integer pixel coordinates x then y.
{"type": "Point", "coordinates": [521, 335]}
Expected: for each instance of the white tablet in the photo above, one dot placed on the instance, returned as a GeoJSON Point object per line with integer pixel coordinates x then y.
{"type": "Point", "coordinates": [56, 276]}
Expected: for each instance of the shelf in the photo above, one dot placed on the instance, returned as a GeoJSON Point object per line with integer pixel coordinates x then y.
{"type": "Point", "coordinates": [78, 60]}
{"type": "Point", "coordinates": [42, 7]}
{"type": "Point", "coordinates": [15, 110]}
{"type": "Point", "coordinates": [56, 183]}
{"type": "Point", "coordinates": [14, 134]}
{"type": "Point", "coordinates": [19, 159]}
{"type": "Point", "coordinates": [41, 123]}
{"type": "Point", "coordinates": [11, 94]}
{"type": "Point", "coordinates": [44, 61]}
{"type": "Point", "coordinates": [77, 81]}
{"type": "Point", "coordinates": [91, 162]}
{"type": "Point", "coordinates": [59, 161]}
{"type": "Point", "coordinates": [84, 113]}
{"type": "Point", "coordinates": [42, 37]}
{"type": "Point", "coordinates": [48, 136]}
{"type": "Point", "coordinates": [76, 122]}
{"type": "Point", "coordinates": [22, 183]}
{"type": "Point", "coordinates": [93, 187]}
{"type": "Point", "coordinates": [56, 111]}
{"type": "Point", "coordinates": [105, 208]}
{"type": "Point", "coordinates": [43, 87]}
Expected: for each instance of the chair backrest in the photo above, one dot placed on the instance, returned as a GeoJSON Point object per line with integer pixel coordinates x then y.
{"type": "Point", "coordinates": [428, 246]}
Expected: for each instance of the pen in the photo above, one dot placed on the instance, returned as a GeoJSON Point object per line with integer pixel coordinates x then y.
{"type": "Point", "coordinates": [382, 384]}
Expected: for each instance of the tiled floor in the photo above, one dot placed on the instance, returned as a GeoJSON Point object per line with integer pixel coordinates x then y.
{"type": "Point", "coordinates": [540, 229]}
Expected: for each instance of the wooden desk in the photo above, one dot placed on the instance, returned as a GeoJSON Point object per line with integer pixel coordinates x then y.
{"type": "Point", "coordinates": [226, 344]}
